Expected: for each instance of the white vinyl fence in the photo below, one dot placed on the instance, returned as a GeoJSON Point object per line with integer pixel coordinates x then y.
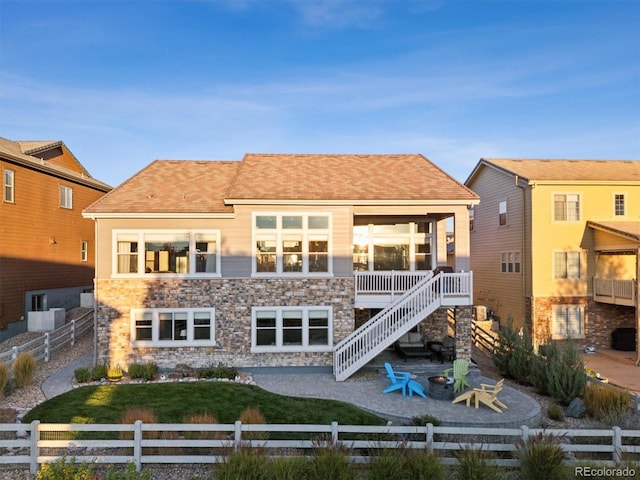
{"type": "Point", "coordinates": [42, 347]}
{"type": "Point", "coordinates": [142, 444]}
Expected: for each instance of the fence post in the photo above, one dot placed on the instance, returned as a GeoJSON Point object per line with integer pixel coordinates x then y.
{"type": "Point", "coordinates": [525, 433]}
{"type": "Point", "coordinates": [137, 444]}
{"type": "Point", "coordinates": [334, 433]}
{"type": "Point", "coordinates": [73, 332]}
{"type": "Point", "coordinates": [616, 440]}
{"type": "Point", "coordinates": [237, 435]}
{"type": "Point", "coordinates": [47, 347]}
{"type": "Point", "coordinates": [14, 353]}
{"type": "Point", "coordinates": [34, 452]}
{"type": "Point", "coordinates": [429, 439]}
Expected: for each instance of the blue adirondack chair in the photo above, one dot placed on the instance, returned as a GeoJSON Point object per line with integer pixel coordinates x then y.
{"type": "Point", "coordinates": [399, 380]}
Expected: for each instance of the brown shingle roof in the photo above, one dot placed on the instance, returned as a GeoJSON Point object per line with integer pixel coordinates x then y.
{"type": "Point", "coordinates": [171, 186]}
{"type": "Point", "coordinates": [570, 170]}
{"type": "Point", "coordinates": [344, 177]}
{"type": "Point", "coordinates": [180, 186]}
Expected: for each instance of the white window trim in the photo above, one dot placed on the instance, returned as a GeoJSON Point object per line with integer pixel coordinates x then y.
{"type": "Point", "coordinates": [515, 253]}
{"type": "Point", "coordinates": [141, 253]}
{"type": "Point", "coordinates": [506, 212]}
{"type": "Point", "coordinates": [279, 232]}
{"type": "Point", "coordinates": [554, 310]}
{"type": "Point", "coordinates": [68, 195]}
{"type": "Point", "coordinates": [568, 279]}
{"type": "Point", "coordinates": [553, 207]}
{"type": "Point", "coordinates": [11, 185]}
{"type": "Point", "coordinates": [305, 347]}
{"type": "Point", "coordinates": [155, 328]}
{"type": "Point", "coordinates": [84, 250]}
{"type": "Point", "coordinates": [626, 207]}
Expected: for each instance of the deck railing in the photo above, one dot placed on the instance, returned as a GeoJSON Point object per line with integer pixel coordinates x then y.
{"type": "Point", "coordinates": [142, 443]}
{"type": "Point", "coordinates": [611, 290]}
{"type": "Point", "coordinates": [389, 282]}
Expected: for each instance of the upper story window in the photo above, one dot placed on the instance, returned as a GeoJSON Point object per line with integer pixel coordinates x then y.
{"type": "Point", "coordinates": [472, 216]}
{"type": "Point", "coordinates": [566, 207]}
{"type": "Point", "coordinates": [84, 250]}
{"type": "Point", "coordinates": [194, 253]}
{"type": "Point", "coordinates": [566, 265]}
{"type": "Point", "coordinates": [292, 243]}
{"type": "Point", "coordinates": [173, 327]}
{"type": "Point", "coordinates": [619, 205]}
{"type": "Point", "coordinates": [9, 186]}
{"type": "Point", "coordinates": [510, 262]}
{"type": "Point", "coordinates": [502, 213]}
{"type": "Point", "coordinates": [400, 246]}
{"type": "Point", "coordinates": [66, 197]}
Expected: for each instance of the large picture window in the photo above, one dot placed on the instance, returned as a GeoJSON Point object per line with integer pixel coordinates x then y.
{"type": "Point", "coordinates": [291, 329]}
{"type": "Point", "coordinates": [173, 327]}
{"type": "Point", "coordinates": [401, 246]}
{"type": "Point", "coordinates": [568, 321]}
{"type": "Point", "coordinates": [191, 253]}
{"type": "Point", "coordinates": [292, 244]}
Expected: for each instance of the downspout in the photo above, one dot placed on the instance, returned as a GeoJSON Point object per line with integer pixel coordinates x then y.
{"type": "Point", "coordinates": [522, 256]}
{"type": "Point", "coordinates": [95, 293]}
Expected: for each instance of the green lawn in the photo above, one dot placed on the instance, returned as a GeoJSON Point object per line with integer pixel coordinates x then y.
{"type": "Point", "coordinates": [171, 402]}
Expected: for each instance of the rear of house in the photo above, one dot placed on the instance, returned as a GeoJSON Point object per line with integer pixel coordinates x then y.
{"type": "Point", "coordinates": [273, 260]}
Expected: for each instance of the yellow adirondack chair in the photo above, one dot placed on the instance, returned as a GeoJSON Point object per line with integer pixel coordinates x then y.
{"type": "Point", "coordinates": [486, 394]}
{"type": "Point", "coordinates": [460, 370]}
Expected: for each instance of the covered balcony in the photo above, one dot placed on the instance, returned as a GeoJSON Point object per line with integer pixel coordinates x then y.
{"type": "Point", "coordinates": [614, 291]}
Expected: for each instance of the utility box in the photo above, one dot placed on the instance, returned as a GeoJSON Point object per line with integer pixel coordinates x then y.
{"type": "Point", "coordinates": [45, 321]}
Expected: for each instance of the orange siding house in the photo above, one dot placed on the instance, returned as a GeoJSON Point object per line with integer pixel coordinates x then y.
{"type": "Point", "coordinates": [46, 247]}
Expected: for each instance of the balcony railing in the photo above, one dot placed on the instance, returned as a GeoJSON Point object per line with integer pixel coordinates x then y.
{"type": "Point", "coordinates": [390, 282]}
{"type": "Point", "coordinates": [618, 292]}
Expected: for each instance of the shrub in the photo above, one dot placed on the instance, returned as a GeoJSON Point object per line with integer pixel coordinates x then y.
{"type": "Point", "coordinates": [202, 419]}
{"type": "Point", "coordinates": [146, 371]}
{"type": "Point", "coordinates": [253, 415]}
{"type": "Point", "coordinates": [547, 354]}
{"type": "Point", "coordinates": [475, 464]}
{"type": "Point", "coordinates": [115, 372]}
{"type": "Point", "coordinates": [566, 375]}
{"type": "Point", "coordinates": [390, 464]}
{"type": "Point", "coordinates": [424, 465]}
{"type": "Point", "coordinates": [4, 377]}
{"type": "Point", "coordinates": [99, 372]}
{"type": "Point", "coordinates": [23, 369]}
{"type": "Point", "coordinates": [422, 420]}
{"type": "Point", "coordinates": [82, 374]}
{"type": "Point", "coordinates": [288, 468]}
{"type": "Point", "coordinates": [63, 469]}
{"type": "Point", "coordinates": [132, 414]}
{"type": "Point", "coordinates": [244, 464]}
{"type": "Point", "coordinates": [541, 458]}
{"type": "Point", "coordinates": [513, 353]}
{"type": "Point", "coordinates": [221, 371]}
{"type": "Point", "coordinates": [554, 412]}
{"type": "Point", "coordinates": [330, 461]}
{"type": "Point", "coordinates": [129, 473]}
{"type": "Point", "coordinates": [606, 403]}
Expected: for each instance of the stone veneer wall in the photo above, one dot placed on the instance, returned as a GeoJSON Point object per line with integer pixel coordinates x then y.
{"type": "Point", "coordinates": [435, 327]}
{"type": "Point", "coordinates": [232, 299]}
{"type": "Point", "coordinates": [600, 319]}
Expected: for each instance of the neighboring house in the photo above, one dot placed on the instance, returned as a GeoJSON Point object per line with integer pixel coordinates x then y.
{"type": "Point", "coordinates": [47, 248]}
{"type": "Point", "coordinates": [555, 243]}
{"type": "Point", "coordinates": [276, 259]}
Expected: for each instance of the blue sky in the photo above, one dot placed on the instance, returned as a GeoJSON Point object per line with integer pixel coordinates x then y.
{"type": "Point", "coordinates": [123, 83]}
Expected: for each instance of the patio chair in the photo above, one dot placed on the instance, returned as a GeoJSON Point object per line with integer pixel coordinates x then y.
{"type": "Point", "coordinates": [488, 395]}
{"type": "Point", "coordinates": [415, 387]}
{"type": "Point", "coordinates": [399, 380]}
{"type": "Point", "coordinates": [460, 370]}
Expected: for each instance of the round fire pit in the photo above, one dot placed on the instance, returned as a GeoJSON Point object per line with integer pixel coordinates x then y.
{"type": "Point", "coordinates": [441, 388]}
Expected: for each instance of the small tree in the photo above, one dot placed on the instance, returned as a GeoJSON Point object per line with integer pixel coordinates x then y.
{"type": "Point", "coordinates": [566, 375]}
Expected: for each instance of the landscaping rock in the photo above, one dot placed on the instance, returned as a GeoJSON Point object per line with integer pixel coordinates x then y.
{"type": "Point", "coordinates": [576, 409]}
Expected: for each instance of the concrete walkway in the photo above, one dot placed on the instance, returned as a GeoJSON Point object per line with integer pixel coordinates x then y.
{"type": "Point", "coordinates": [61, 380]}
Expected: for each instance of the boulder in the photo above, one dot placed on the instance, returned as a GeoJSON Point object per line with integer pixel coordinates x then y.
{"type": "Point", "coordinates": [576, 409]}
